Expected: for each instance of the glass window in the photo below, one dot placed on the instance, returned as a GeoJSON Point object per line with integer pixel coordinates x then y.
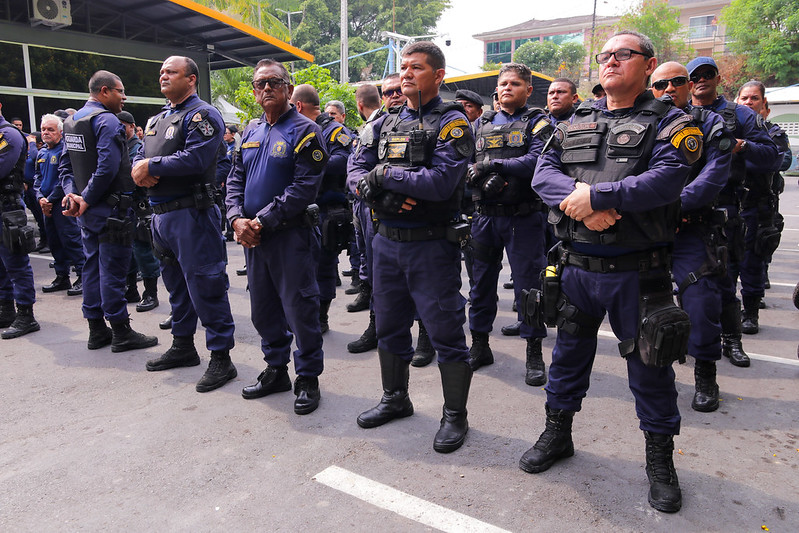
{"type": "Point", "coordinates": [576, 37]}
{"type": "Point", "coordinates": [16, 106]}
{"type": "Point", "coordinates": [12, 67]}
{"type": "Point", "coordinates": [498, 52]}
{"type": "Point", "coordinates": [140, 112]}
{"type": "Point", "coordinates": [520, 42]}
{"type": "Point", "coordinates": [702, 27]}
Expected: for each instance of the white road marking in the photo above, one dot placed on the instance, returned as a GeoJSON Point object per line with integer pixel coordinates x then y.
{"type": "Point", "coordinates": [396, 501]}
{"type": "Point", "coordinates": [776, 284]}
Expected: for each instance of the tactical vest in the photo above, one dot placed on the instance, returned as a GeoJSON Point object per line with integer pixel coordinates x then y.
{"type": "Point", "coordinates": [331, 182]}
{"type": "Point", "coordinates": [403, 144]}
{"type": "Point", "coordinates": [81, 143]}
{"type": "Point", "coordinates": [164, 136]}
{"type": "Point", "coordinates": [12, 184]}
{"type": "Point", "coordinates": [508, 141]}
{"type": "Point", "coordinates": [738, 164]}
{"type": "Point", "coordinates": [760, 184]}
{"type": "Point", "coordinates": [600, 149]}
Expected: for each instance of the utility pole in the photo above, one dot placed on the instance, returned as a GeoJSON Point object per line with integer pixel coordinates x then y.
{"type": "Point", "coordinates": [345, 76]}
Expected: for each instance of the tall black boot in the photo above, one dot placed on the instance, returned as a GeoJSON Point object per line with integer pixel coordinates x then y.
{"type": "Point", "coordinates": [664, 487]}
{"type": "Point", "coordinates": [731, 346]}
{"type": "Point", "coordinates": [23, 324]}
{"type": "Point", "coordinates": [220, 371]}
{"type": "Point", "coordinates": [367, 341]}
{"type": "Point", "coordinates": [424, 353]}
{"type": "Point", "coordinates": [124, 338]}
{"type": "Point", "coordinates": [455, 381]}
{"type": "Point", "coordinates": [536, 374]}
{"type": "Point", "coordinates": [361, 302]}
{"type": "Point", "coordinates": [480, 353]}
{"type": "Point", "coordinates": [324, 308]}
{"type": "Point", "coordinates": [8, 312]}
{"type": "Point", "coordinates": [181, 353]}
{"type": "Point", "coordinates": [100, 334]}
{"type": "Point", "coordinates": [749, 324]}
{"type": "Point", "coordinates": [706, 397]}
{"type": "Point", "coordinates": [149, 299]}
{"type": "Point", "coordinates": [132, 292]}
{"type": "Point", "coordinates": [553, 444]}
{"type": "Point", "coordinates": [395, 403]}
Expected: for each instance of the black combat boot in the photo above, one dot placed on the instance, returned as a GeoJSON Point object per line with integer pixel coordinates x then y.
{"type": "Point", "coordinates": [149, 299]}
{"type": "Point", "coordinates": [706, 397]}
{"type": "Point", "coordinates": [749, 324]}
{"type": "Point", "coordinates": [553, 444]}
{"type": "Point", "coordinates": [795, 297]}
{"type": "Point", "coordinates": [664, 487]}
{"type": "Point", "coordinates": [512, 330]}
{"type": "Point", "coordinates": [166, 323]}
{"type": "Point", "coordinates": [272, 379]}
{"type": "Point", "coordinates": [8, 312]}
{"type": "Point", "coordinates": [132, 292]}
{"type": "Point", "coordinates": [324, 308]}
{"type": "Point", "coordinates": [181, 353]}
{"type": "Point", "coordinates": [60, 283]}
{"type": "Point", "coordinates": [361, 302]}
{"type": "Point", "coordinates": [23, 324]}
{"type": "Point", "coordinates": [355, 286]}
{"type": "Point", "coordinates": [455, 381]}
{"type": "Point", "coordinates": [731, 346]}
{"type": "Point", "coordinates": [425, 352]}
{"type": "Point", "coordinates": [220, 370]}
{"type": "Point", "coordinates": [367, 341]}
{"type": "Point", "coordinates": [395, 403]}
{"type": "Point", "coordinates": [480, 353]}
{"type": "Point", "coordinates": [536, 370]}
{"type": "Point", "coordinates": [126, 338]}
{"type": "Point", "coordinates": [77, 287]}
{"type": "Point", "coordinates": [306, 389]}
{"type": "Point", "coordinates": [100, 334]}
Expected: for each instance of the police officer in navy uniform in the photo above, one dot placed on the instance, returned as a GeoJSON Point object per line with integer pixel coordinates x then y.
{"type": "Point", "coordinates": [510, 215]}
{"type": "Point", "coordinates": [177, 164]}
{"type": "Point", "coordinates": [331, 200]}
{"type": "Point", "coordinates": [271, 189]}
{"type": "Point", "coordinates": [65, 242]}
{"type": "Point", "coordinates": [562, 100]}
{"type": "Point", "coordinates": [754, 153]}
{"type": "Point", "coordinates": [16, 275]}
{"type": "Point", "coordinates": [95, 176]}
{"type": "Point", "coordinates": [699, 261]}
{"type": "Point", "coordinates": [613, 188]}
{"type": "Point", "coordinates": [411, 172]}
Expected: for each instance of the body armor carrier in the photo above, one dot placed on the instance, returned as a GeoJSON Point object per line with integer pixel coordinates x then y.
{"type": "Point", "coordinates": [81, 143]}
{"type": "Point", "coordinates": [164, 136]}
{"type": "Point", "coordinates": [598, 149]}
{"type": "Point", "coordinates": [507, 141]}
{"type": "Point", "coordinates": [405, 144]}
{"type": "Point", "coordinates": [730, 194]}
{"type": "Point", "coordinates": [12, 185]}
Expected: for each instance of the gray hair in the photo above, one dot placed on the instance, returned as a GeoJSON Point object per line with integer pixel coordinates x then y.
{"type": "Point", "coordinates": [50, 117]}
{"type": "Point", "coordinates": [338, 105]}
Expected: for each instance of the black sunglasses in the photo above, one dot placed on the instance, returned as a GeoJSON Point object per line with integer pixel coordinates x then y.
{"type": "Point", "coordinates": [677, 81]}
{"type": "Point", "coordinates": [704, 75]}
{"type": "Point", "coordinates": [274, 83]}
{"type": "Point", "coordinates": [622, 54]}
{"type": "Point", "coordinates": [392, 92]}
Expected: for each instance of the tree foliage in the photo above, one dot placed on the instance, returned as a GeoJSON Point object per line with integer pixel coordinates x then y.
{"type": "Point", "coordinates": [255, 13]}
{"type": "Point", "coordinates": [329, 89]}
{"type": "Point", "coordinates": [767, 33]}
{"type": "Point", "coordinates": [554, 60]}
{"type": "Point", "coordinates": [660, 22]}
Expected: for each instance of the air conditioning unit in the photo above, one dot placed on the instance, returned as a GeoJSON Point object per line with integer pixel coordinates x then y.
{"type": "Point", "coordinates": [53, 13]}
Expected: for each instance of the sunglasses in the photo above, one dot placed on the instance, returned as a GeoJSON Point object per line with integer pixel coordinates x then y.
{"type": "Point", "coordinates": [676, 81]}
{"type": "Point", "coordinates": [622, 54]}
{"type": "Point", "coordinates": [274, 83]}
{"type": "Point", "coordinates": [391, 92]}
{"type": "Point", "coordinates": [704, 75]}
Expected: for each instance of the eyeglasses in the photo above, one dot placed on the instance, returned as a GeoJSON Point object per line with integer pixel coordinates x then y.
{"type": "Point", "coordinates": [676, 81]}
{"type": "Point", "coordinates": [704, 75]}
{"type": "Point", "coordinates": [391, 92]}
{"type": "Point", "coordinates": [622, 54]}
{"type": "Point", "coordinates": [121, 91]}
{"type": "Point", "coordinates": [274, 83]}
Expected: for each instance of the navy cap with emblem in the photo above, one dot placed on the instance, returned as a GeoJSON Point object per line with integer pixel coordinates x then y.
{"type": "Point", "coordinates": [700, 62]}
{"type": "Point", "coordinates": [470, 96]}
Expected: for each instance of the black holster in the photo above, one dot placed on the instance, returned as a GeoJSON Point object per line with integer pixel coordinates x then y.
{"type": "Point", "coordinates": [18, 237]}
{"type": "Point", "coordinates": [664, 328]}
{"type": "Point", "coordinates": [117, 231]}
{"type": "Point", "coordinates": [337, 229]}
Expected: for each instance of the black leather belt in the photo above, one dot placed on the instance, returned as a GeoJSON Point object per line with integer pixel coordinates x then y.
{"type": "Point", "coordinates": [173, 205]}
{"type": "Point", "coordinates": [640, 261]}
{"type": "Point", "coordinates": [515, 210]}
{"type": "Point", "coordinates": [427, 233]}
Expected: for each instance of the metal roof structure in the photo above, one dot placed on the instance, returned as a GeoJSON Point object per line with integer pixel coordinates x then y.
{"type": "Point", "coordinates": [485, 83]}
{"type": "Point", "coordinates": [177, 24]}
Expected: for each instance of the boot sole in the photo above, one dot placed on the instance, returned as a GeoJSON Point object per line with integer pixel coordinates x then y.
{"type": "Point", "coordinates": [665, 507]}
{"type": "Point", "coordinates": [307, 409]}
{"type": "Point", "coordinates": [98, 345]}
{"type": "Point", "coordinates": [536, 382]}
{"type": "Point", "coordinates": [175, 364]}
{"type": "Point", "coordinates": [140, 346]}
{"type": "Point", "coordinates": [20, 333]}
{"type": "Point", "coordinates": [536, 469]}
{"type": "Point", "coordinates": [362, 349]}
{"type": "Point", "coordinates": [165, 326]}
{"type": "Point", "coordinates": [208, 388]}
{"type": "Point", "coordinates": [144, 308]}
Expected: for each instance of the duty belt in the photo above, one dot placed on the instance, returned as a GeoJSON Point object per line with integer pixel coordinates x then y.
{"type": "Point", "coordinates": [181, 203]}
{"type": "Point", "coordinates": [515, 210]}
{"type": "Point", "coordinates": [638, 261]}
{"type": "Point", "coordinates": [427, 233]}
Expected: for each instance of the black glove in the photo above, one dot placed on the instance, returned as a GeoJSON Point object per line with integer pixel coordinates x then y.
{"type": "Point", "coordinates": [366, 191]}
{"type": "Point", "coordinates": [375, 176]}
{"type": "Point", "coordinates": [478, 171]}
{"type": "Point", "coordinates": [493, 185]}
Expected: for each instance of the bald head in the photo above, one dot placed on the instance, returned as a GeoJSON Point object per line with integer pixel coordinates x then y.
{"type": "Point", "coordinates": [306, 99]}
{"type": "Point", "coordinates": [677, 85]}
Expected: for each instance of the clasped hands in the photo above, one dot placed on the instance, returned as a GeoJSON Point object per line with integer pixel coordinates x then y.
{"type": "Point", "coordinates": [578, 207]}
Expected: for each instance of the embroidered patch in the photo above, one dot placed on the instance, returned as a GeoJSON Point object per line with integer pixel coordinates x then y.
{"type": "Point", "coordinates": [456, 133]}
{"type": "Point", "coordinates": [170, 133]}
{"type": "Point", "coordinates": [206, 128]}
{"type": "Point", "coordinates": [582, 126]}
{"type": "Point", "coordinates": [447, 130]}
{"type": "Point", "coordinates": [317, 155]}
{"type": "Point", "coordinates": [279, 149]}
{"type": "Point", "coordinates": [197, 117]}
{"type": "Point", "coordinates": [495, 141]}
{"type": "Point", "coordinates": [541, 124]}
{"type": "Point", "coordinates": [515, 138]}
{"type": "Point", "coordinates": [683, 133]}
{"type": "Point", "coordinates": [692, 143]}
{"type": "Point", "coordinates": [397, 150]}
{"type": "Point", "coordinates": [251, 144]}
{"type": "Point", "coordinates": [3, 144]}
{"type": "Point", "coordinates": [623, 138]}
{"type": "Point", "coordinates": [53, 159]}
{"type": "Point", "coordinates": [481, 142]}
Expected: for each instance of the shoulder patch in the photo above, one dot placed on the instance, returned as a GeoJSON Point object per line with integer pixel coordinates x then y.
{"type": "Point", "coordinates": [454, 129]}
{"type": "Point", "coordinates": [689, 142]}
{"type": "Point", "coordinates": [541, 124]}
{"type": "Point", "coordinates": [674, 126]}
{"type": "Point", "coordinates": [3, 143]}
{"type": "Point", "coordinates": [197, 117]}
{"type": "Point", "coordinates": [310, 149]}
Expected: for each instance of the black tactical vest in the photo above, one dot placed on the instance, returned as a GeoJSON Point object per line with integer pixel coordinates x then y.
{"type": "Point", "coordinates": [601, 149]}
{"type": "Point", "coordinates": [403, 144]}
{"type": "Point", "coordinates": [164, 136]}
{"type": "Point", "coordinates": [81, 144]}
{"type": "Point", "coordinates": [738, 164]}
{"type": "Point", "coordinates": [12, 184]}
{"type": "Point", "coordinates": [507, 141]}
{"type": "Point", "coordinates": [760, 184]}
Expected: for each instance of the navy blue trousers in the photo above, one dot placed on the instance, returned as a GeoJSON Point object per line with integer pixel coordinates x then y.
{"type": "Point", "coordinates": [197, 281]}
{"type": "Point", "coordinates": [523, 238]}
{"type": "Point", "coordinates": [423, 277]}
{"type": "Point", "coordinates": [752, 270]}
{"type": "Point", "coordinates": [64, 242]}
{"type": "Point", "coordinates": [16, 276]}
{"type": "Point", "coordinates": [327, 271]}
{"type": "Point", "coordinates": [284, 294]}
{"type": "Point", "coordinates": [573, 357]}
{"type": "Point", "coordinates": [367, 234]}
